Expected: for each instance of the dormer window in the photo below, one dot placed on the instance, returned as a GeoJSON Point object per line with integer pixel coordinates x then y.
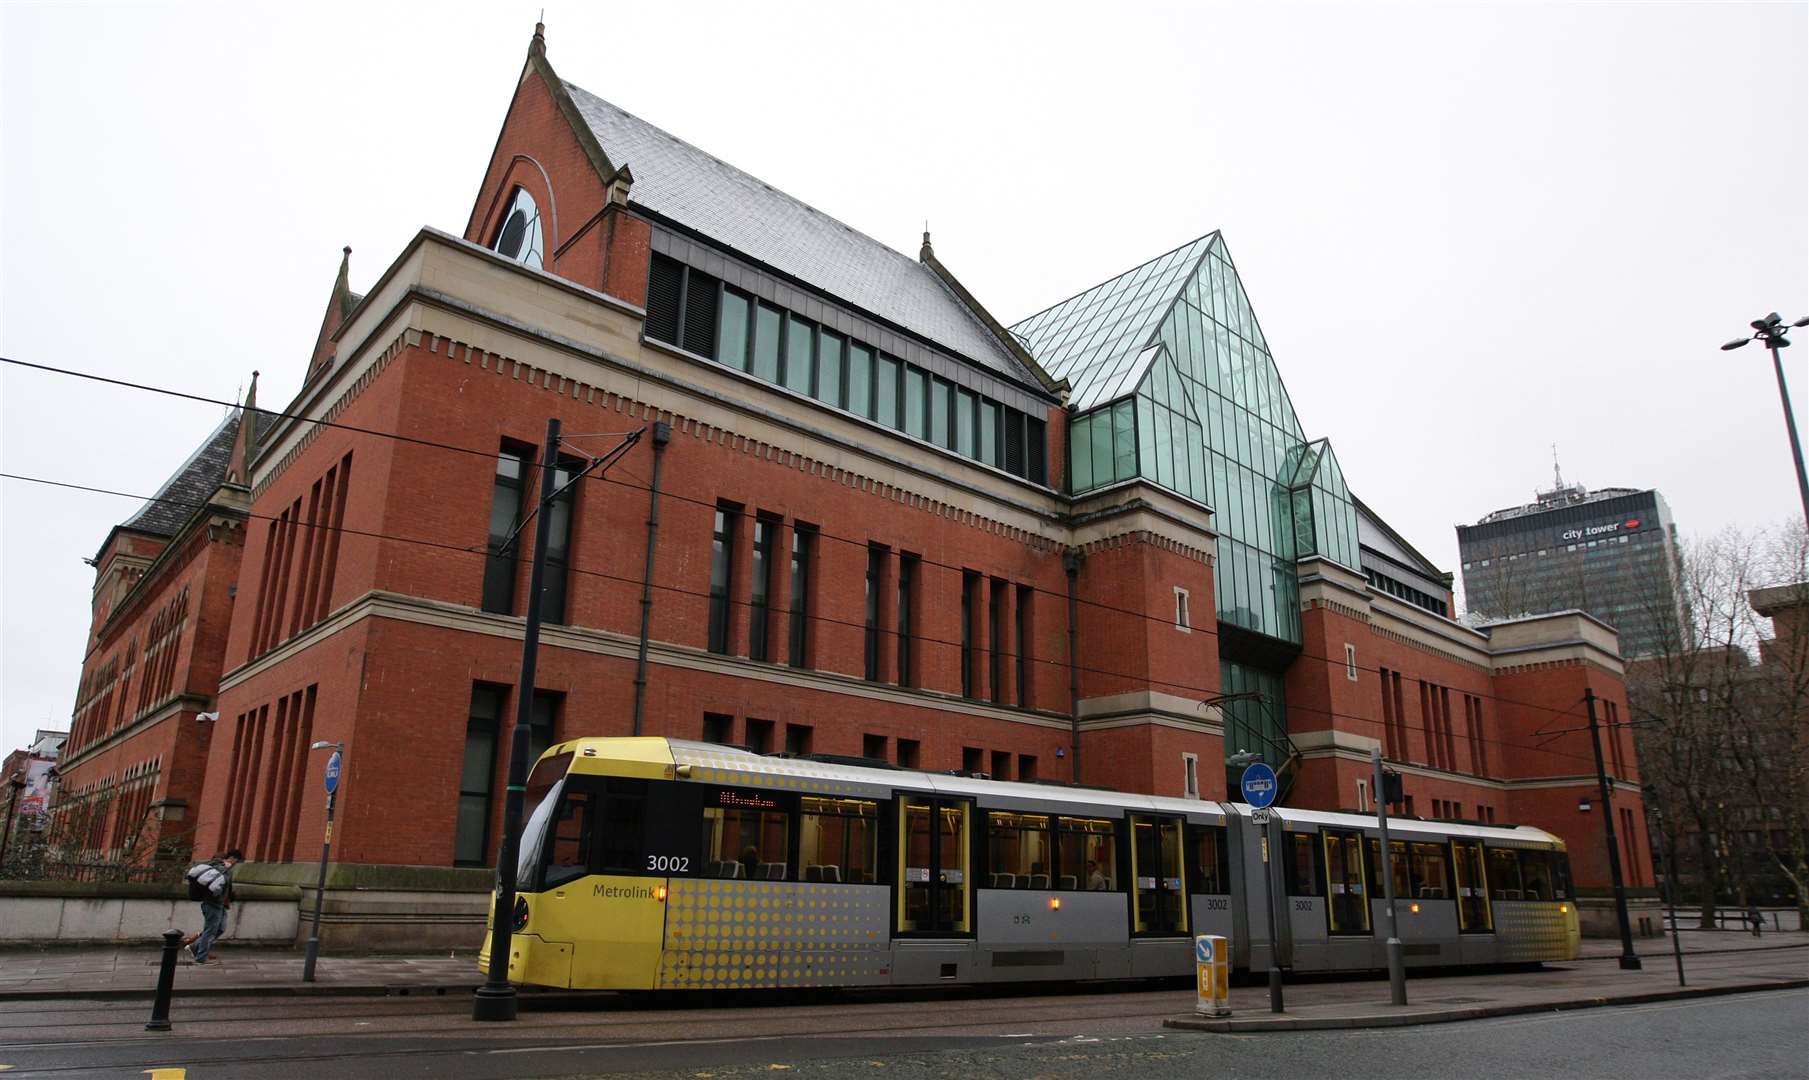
{"type": "Point", "coordinates": [519, 236]}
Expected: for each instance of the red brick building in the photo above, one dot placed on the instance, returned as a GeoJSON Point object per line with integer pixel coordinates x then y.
{"type": "Point", "coordinates": [873, 536]}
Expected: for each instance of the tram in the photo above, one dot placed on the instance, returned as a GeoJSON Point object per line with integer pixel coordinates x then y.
{"type": "Point", "coordinates": [653, 863]}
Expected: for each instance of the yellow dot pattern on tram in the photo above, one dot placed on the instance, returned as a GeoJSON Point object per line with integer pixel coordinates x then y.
{"type": "Point", "coordinates": [729, 934]}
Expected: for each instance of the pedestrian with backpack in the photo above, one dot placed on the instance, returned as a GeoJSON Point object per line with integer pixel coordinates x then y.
{"type": "Point", "coordinates": [210, 883]}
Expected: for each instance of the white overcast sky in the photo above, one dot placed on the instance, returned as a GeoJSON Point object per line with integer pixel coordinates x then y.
{"type": "Point", "coordinates": [1470, 231]}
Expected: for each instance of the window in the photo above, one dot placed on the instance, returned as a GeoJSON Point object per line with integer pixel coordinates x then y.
{"type": "Point", "coordinates": [1362, 796]}
{"type": "Point", "coordinates": [1536, 875]}
{"type": "Point", "coordinates": [907, 587]}
{"type": "Point", "coordinates": [1210, 871]}
{"type": "Point", "coordinates": [916, 401]}
{"type": "Point", "coordinates": [722, 557]}
{"type": "Point", "coordinates": [732, 329]}
{"type": "Point", "coordinates": [471, 839]}
{"type": "Point", "coordinates": [1014, 441]}
{"type": "Point", "coordinates": [873, 747]}
{"type": "Point", "coordinates": [768, 324]}
{"type": "Point", "coordinates": [1017, 851]}
{"type": "Point", "coordinates": [559, 544]}
{"type": "Point", "coordinates": [803, 545]}
{"type": "Point", "coordinates": [989, 433]}
{"type": "Point", "coordinates": [885, 391]}
{"type": "Point", "coordinates": [1504, 874]}
{"type": "Point", "coordinates": [910, 753]}
{"type": "Point", "coordinates": [759, 608]}
{"type": "Point", "coordinates": [1403, 887]}
{"type": "Point", "coordinates": [701, 302]}
{"type": "Point", "coordinates": [622, 837]}
{"type": "Point", "coordinates": [876, 568]}
{"type": "Point", "coordinates": [967, 407]}
{"type": "Point", "coordinates": [798, 738]}
{"type": "Point", "coordinates": [1026, 768]}
{"type": "Point", "coordinates": [719, 728]}
{"type": "Point", "coordinates": [829, 368]}
{"type": "Point", "coordinates": [1026, 600]}
{"type": "Point", "coordinates": [1348, 912]}
{"type": "Point", "coordinates": [1090, 847]}
{"type": "Point", "coordinates": [1190, 775]}
{"type": "Point", "coordinates": [995, 639]}
{"type": "Point", "coordinates": [543, 722]}
{"type": "Point", "coordinates": [1001, 764]}
{"type": "Point", "coordinates": [520, 236]}
{"type": "Point", "coordinates": [760, 736]}
{"type": "Point", "coordinates": [1183, 617]}
{"type": "Point", "coordinates": [838, 840]}
{"type": "Point", "coordinates": [973, 760]}
{"type": "Point", "coordinates": [1300, 854]}
{"type": "Point", "coordinates": [505, 515]}
{"type": "Point", "coordinates": [860, 380]}
{"type": "Point", "coordinates": [744, 836]}
{"type": "Point", "coordinates": [970, 600]}
{"type": "Point", "coordinates": [1350, 661]}
{"type": "Point", "coordinates": [800, 354]}
{"type": "Point", "coordinates": [1036, 440]}
{"type": "Point", "coordinates": [570, 837]}
{"type": "Point", "coordinates": [942, 397]}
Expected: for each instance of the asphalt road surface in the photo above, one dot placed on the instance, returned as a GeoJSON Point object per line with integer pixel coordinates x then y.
{"type": "Point", "coordinates": [1049, 1036]}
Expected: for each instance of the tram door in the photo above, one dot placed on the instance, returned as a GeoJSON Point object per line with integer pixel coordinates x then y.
{"type": "Point", "coordinates": [933, 855]}
{"type": "Point", "coordinates": [1161, 894]}
{"type": "Point", "coordinates": [1348, 906]}
{"type": "Point", "coordinates": [1472, 887]}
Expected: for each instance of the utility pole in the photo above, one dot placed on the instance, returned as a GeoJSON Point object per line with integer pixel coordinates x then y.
{"type": "Point", "coordinates": [662, 434]}
{"type": "Point", "coordinates": [1629, 958]}
{"type": "Point", "coordinates": [496, 999]}
{"type": "Point", "coordinates": [1397, 969]}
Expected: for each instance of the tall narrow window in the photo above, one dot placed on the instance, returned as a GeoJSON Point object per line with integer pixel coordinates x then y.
{"type": "Point", "coordinates": [520, 236]}
{"type": "Point", "coordinates": [829, 367]}
{"type": "Point", "coordinates": [767, 324]}
{"type": "Point", "coordinates": [543, 722]}
{"type": "Point", "coordinates": [733, 328]}
{"type": "Point", "coordinates": [1026, 599]}
{"type": "Point", "coordinates": [505, 515]}
{"type": "Point", "coordinates": [471, 837]}
{"type": "Point", "coordinates": [759, 599]}
{"type": "Point", "coordinates": [995, 639]}
{"type": "Point", "coordinates": [559, 544]}
{"type": "Point", "coordinates": [803, 543]}
{"type": "Point", "coordinates": [800, 354]}
{"type": "Point", "coordinates": [942, 397]}
{"type": "Point", "coordinates": [989, 432]}
{"type": "Point", "coordinates": [665, 295]}
{"type": "Point", "coordinates": [967, 406]}
{"type": "Point", "coordinates": [885, 391]}
{"type": "Point", "coordinates": [970, 599]}
{"type": "Point", "coordinates": [860, 380]}
{"type": "Point", "coordinates": [907, 587]}
{"type": "Point", "coordinates": [1350, 661]}
{"type": "Point", "coordinates": [876, 565]}
{"type": "Point", "coordinates": [916, 401]}
{"type": "Point", "coordinates": [701, 303]}
{"type": "Point", "coordinates": [1390, 748]}
{"type": "Point", "coordinates": [722, 556]}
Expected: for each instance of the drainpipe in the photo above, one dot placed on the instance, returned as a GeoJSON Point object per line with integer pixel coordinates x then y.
{"type": "Point", "coordinates": [1071, 564]}
{"type": "Point", "coordinates": [662, 434]}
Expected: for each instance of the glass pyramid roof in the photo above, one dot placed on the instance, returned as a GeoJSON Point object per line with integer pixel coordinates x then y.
{"type": "Point", "coordinates": [1099, 339]}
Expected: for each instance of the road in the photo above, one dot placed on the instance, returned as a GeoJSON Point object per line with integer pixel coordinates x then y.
{"type": "Point", "coordinates": [1085, 1034]}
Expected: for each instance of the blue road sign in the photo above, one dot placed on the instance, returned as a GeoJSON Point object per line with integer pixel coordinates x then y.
{"type": "Point", "coordinates": [1258, 784]}
{"type": "Point", "coordinates": [332, 774]}
{"type": "Point", "coordinates": [1202, 950]}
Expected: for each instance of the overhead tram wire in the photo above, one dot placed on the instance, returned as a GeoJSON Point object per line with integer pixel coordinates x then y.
{"type": "Point", "coordinates": [891, 633]}
{"type": "Point", "coordinates": [744, 514]}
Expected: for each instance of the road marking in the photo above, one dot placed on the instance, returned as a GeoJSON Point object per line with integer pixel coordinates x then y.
{"type": "Point", "coordinates": [633, 1045]}
{"type": "Point", "coordinates": [166, 1074]}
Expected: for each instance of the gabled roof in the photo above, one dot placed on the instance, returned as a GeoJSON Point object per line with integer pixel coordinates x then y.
{"type": "Point", "coordinates": [682, 184]}
{"type": "Point", "coordinates": [189, 486]}
{"type": "Point", "coordinates": [1100, 339]}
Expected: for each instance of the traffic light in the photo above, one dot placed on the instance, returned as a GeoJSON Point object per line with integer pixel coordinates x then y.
{"type": "Point", "coordinates": [1391, 788]}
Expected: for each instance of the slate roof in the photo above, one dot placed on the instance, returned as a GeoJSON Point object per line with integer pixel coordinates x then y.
{"type": "Point", "coordinates": [679, 182]}
{"type": "Point", "coordinates": [189, 486]}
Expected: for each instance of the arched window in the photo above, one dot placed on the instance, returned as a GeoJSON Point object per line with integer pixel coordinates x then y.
{"type": "Point", "coordinates": [519, 236]}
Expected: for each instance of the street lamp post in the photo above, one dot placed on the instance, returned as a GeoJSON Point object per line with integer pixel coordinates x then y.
{"type": "Point", "coordinates": [1772, 331]}
{"type": "Point", "coordinates": [334, 765]}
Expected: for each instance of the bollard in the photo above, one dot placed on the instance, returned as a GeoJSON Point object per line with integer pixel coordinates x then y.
{"type": "Point", "coordinates": [166, 981]}
{"type": "Point", "coordinates": [1212, 963]}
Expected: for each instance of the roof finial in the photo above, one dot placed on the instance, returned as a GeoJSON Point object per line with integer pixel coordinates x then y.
{"type": "Point", "coordinates": [538, 45]}
{"type": "Point", "coordinates": [925, 254]}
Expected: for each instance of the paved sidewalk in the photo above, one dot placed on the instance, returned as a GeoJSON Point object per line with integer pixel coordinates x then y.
{"type": "Point", "coordinates": [1586, 983]}
{"type": "Point", "coordinates": [131, 972]}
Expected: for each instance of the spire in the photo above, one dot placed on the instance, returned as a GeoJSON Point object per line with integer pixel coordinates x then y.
{"type": "Point", "coordinates": [538, 45]}
{"type": "Point", "coordinates": [925, 253]}
{"type": "Point", "coordinates": [1557, 474]}
{"type": "Point", "coordinates": [238, 468]}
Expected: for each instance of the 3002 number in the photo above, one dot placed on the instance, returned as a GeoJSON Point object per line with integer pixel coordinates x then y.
{"type": "Point", "coordinates": [671, 864]}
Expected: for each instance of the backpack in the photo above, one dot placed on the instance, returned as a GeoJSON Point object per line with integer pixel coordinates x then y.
{"type": "Point", "coordinates": [205, 881]}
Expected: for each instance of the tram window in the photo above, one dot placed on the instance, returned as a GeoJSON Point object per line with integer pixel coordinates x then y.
{"type": "Point", "coordinates": [1429, 870]}
{"type": "Point", "coordinates": [622, 837]}
{"type": "Point", "coordinates": [1403, 885]}
{"type": "Point", "coordinates": [569, 846]}
{"type": "Point", "coordinates": [744, 836]}
{"type": "Point", "coordinates": [1535, 875]}
{"type": "Point", "coordinates": [838, 840]}
{"type": "Point", "coordinates": [1088, 852]}
{"type": "Point", "coordinates": [1560, 876]}
{"type": "Point", "coordinates": [1211, 869]}
{"type": "Point", "coordinates": [1017, 851]}
{"type": "Point", "coordinates": [1504, 874]}
{"type": "Point", "coordinates": [1302, 865]}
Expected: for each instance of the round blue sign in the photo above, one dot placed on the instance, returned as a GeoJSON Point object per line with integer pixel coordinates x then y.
{"type": "Point", "coordinates": [1259, 785]}
{"type": "Point", "coordinates": [332, 774]}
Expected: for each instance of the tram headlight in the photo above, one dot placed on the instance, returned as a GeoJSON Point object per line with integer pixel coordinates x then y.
{"type": "Point", "coordinates": [521, 913]}
{"type": "Point", "coordinates": [1055, 903]}
{"type": "Point", "coordinates": [1415, 908]}
{"type": "Point", "coordinates": [1563, 909]}
{"type": "Point", "coordinates": [659, 893]}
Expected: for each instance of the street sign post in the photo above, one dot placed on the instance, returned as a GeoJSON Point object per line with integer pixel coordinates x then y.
{"type": "Point", "coordinates": [331, 777]}
{"type": "Point", "coordinates": [330, 780]}
{"type": "Point", "coordinates": [1259, 788]}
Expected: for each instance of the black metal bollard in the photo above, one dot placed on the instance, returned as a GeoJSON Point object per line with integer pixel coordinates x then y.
{"type": "Point", "coordinates": [166, 981]}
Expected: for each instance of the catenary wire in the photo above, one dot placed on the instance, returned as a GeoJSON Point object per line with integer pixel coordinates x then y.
{"type": "Point", "coordinates": [821, 619]}
{"type": "Point", "coordinates": [743, 513]}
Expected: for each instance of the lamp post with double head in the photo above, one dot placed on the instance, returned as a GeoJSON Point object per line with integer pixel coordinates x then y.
{"type": "Point", "coordinates": [1775, 335]}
